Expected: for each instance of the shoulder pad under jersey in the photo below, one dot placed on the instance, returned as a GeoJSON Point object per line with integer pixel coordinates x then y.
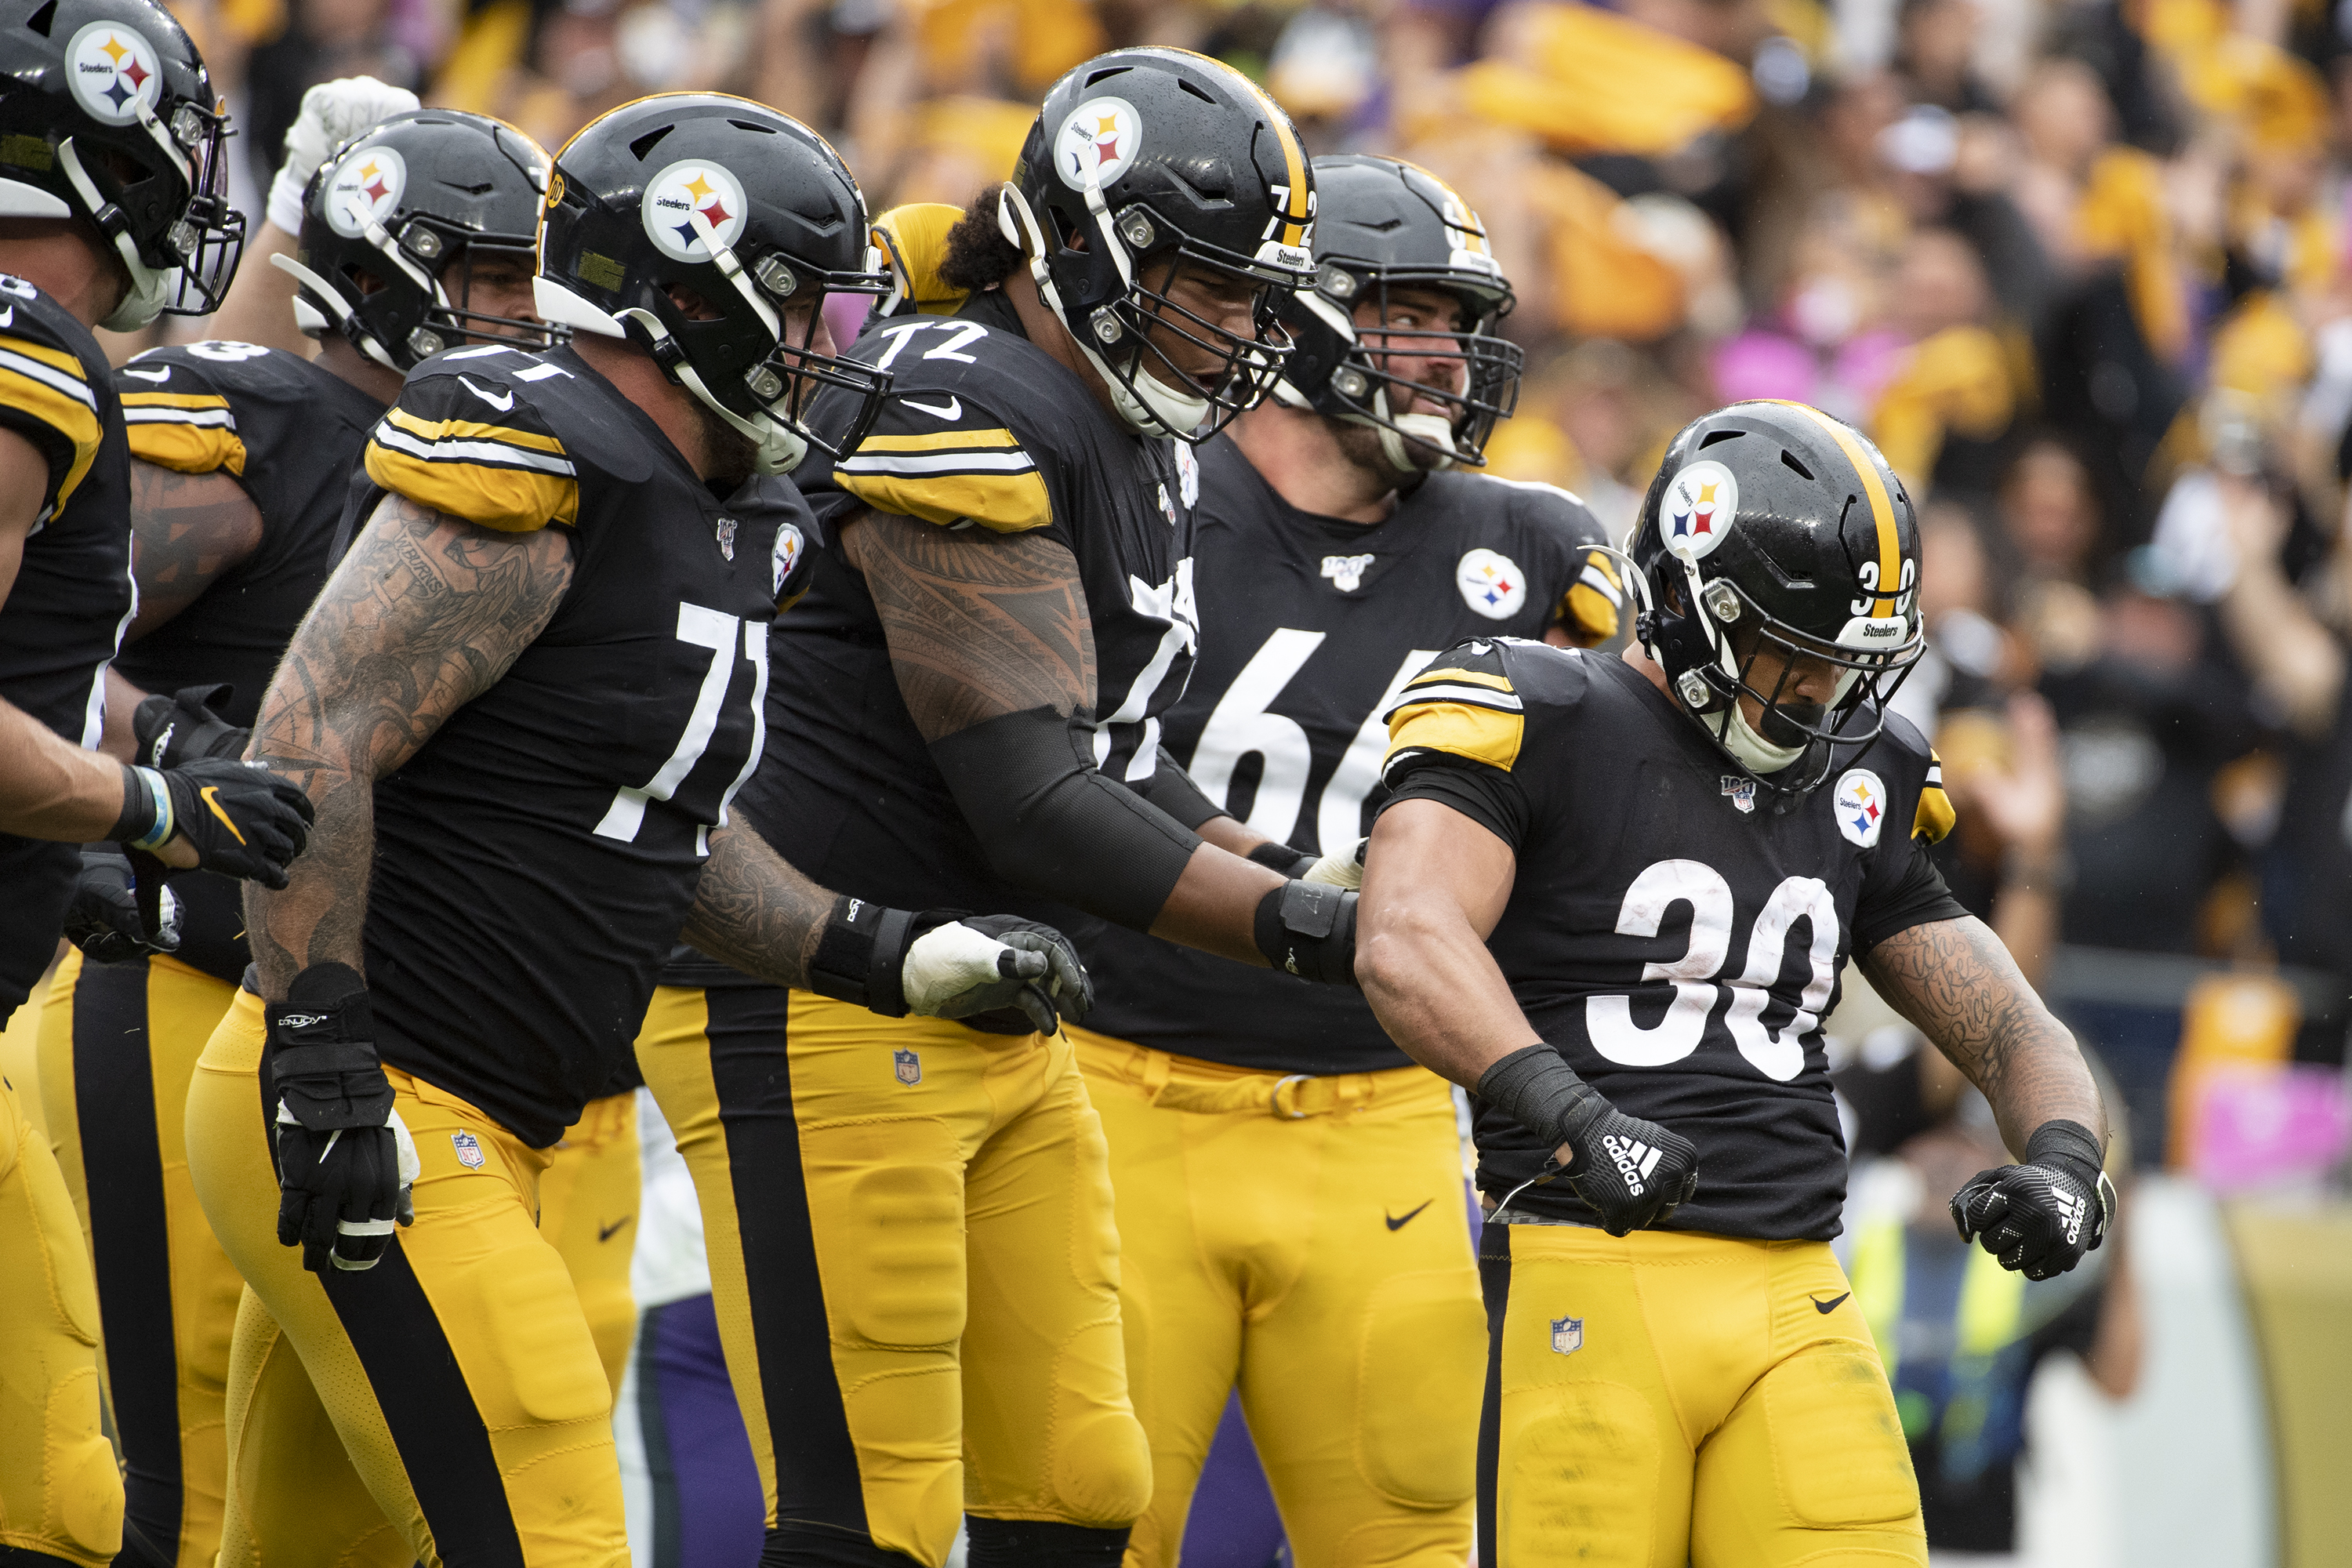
{"type": "Point", "coordinates": [45, 390]}
{"type": "Point", "coordinates": [497, 435]}
{"type": "Point", "coordinates": [1473, 698]}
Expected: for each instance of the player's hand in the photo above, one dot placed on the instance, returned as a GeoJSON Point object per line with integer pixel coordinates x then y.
{"type": "Point", "coordinates": [177, 728]}
{"type": "Point", "coordinates": [120, 908]}
{"type": "Point", "coordinates": [332, 113]}
{"type": "Point", "coordinates": [1633, 1173]}
{"type": "Point", "coordinates": [236, 819]}
{"type": "Point", "coordinates": [980, 963]}
{"type": "Point", "coordinates": [2039, 1218]}
{"type": "Point", "coordinates": [345, 1162]}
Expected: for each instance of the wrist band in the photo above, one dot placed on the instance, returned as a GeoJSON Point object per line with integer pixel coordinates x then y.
{"type": "Point", "coordinates": [843, 967]}
{"type": "Point", "coordinates": [146, 822]}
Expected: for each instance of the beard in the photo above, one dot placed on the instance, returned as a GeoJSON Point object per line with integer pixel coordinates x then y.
{"type": "Point", "coordinates": [1360, 445]}
{"type": "Point", "coordinates": [729, 455]}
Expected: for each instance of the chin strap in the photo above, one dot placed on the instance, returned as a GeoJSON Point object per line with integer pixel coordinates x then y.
{"type": "Point", "coordinates": [144, 300]}
{"type": "Point", "coordinates": [361, 338]}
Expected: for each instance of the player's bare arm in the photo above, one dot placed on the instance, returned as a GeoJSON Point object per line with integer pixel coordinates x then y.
{"type": "Point", "coordinates": [186, 531]}
{"type": "Point", "coordinates": [754, 910]}
{"type": "Point", "coordinates": [1435, 884]}
{"type": "Point", "coordinates": [426, 614]}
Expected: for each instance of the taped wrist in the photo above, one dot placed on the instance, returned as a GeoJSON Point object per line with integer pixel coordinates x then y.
{"type": "Point", "coordinates": [323, 1052]}
{"type": "Point", "coordinates": [1052, 824]}
{"type": "Point", "coordinates": [1171, 789]}
{"type": "Point", "coordinates": [2067, 1146]}
{"type": "Point", "coordinates": [1283, 858]}
{"type": "Point", "coordinates": [1308, 928]}
{"type": "Point", "coordinates": [146, 822]}
{"type": "Point", "coordinates": [859, 957]}
{"type": "Point", "coordinates": [1542, 1094]}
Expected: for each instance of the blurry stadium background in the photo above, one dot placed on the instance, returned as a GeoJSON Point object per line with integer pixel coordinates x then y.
{"type": "Point", "coordinates": [2082, 270]}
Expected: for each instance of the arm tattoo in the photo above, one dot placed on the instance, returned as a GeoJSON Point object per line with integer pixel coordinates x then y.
{"type": "Point", "coordinates": [186, 531]}
{"type": "Point", "coordinates": [754, 910]}
{"type": "Point", "coordinates": [980, 625]}
{"type": "Point", "coordinates": [1959, 987]}
{"type": "Point", "coordinates": [424, 615]}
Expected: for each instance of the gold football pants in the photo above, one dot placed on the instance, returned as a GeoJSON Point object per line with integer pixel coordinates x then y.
{"type": "Point", "coordinates": [588, 1211]}
{"type": "Point", "coordinates": [913, 1260]}
{"type": "Point", "coordinates": [1305, 1239]}
{"type": "Point", "coordinates": [60, 1494]}
{"type": "Point", "coordinates": [1670, 1397]}
{"type": "Point", "coordinates": [119, 1044]}
{"type": "Point", "coordinates": [447, 1406]}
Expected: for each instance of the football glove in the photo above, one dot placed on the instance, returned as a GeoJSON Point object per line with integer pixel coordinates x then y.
{"type": "Point", "coordinates": [241, 819]}
{"type": "Point", "coordinates": [345, 1162]}
{"type": "Point", "coordinates": [944, 965]}
{"type": "Point", "coordinates": [332, 113]}
{"type": "Point", "coordinates": [121, 907]}
{"type": "Point", "coordinates": [2041, 1217]}
{"type": "Point", "coordinates": [1343, 868]}
{"type": "Point", "coordinates": [1633, 1174]}
{"type": "Point", "coordinates": [178, 728]}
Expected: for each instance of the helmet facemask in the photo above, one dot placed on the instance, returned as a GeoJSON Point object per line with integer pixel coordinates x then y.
{"type": "Point", "coordinates": [183, 266]}
{"type": "Point", "coordinates": [1464, 368]}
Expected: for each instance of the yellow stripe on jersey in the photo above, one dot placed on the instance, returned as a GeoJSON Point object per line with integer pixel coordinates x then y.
{"type": "Point", "coordinates": [948, 477]}
{"type": "Point", "coordinates": [48, 384]}
{"type": "Point", "coordinates": [1482, 734]}
{"type": "Point", "coordinates": [1882, 508]}
{"type": "Point", "coordinates": [494, 475]}
{"type": "Point", "coordinates": [187, 433]}
{"type": "Point", "coordinates": [1593, 602]}
{"type": "Point", "coordinates": [1935, 816]}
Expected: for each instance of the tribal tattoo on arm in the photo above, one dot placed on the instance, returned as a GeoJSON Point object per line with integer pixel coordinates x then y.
{"type": "Point", "coordinates": [424, 615]}
{"type": "Point", "coordinates": [980, 625]}
{"type": "Point", "coordinates": [1955, 981]}
{"type": "Point", "coordinates": [755, 911]}
{"type": "Point", "coordinates": [186, 531]}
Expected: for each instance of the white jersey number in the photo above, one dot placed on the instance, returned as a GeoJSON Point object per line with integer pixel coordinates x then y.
{"type": "Point", "coordinates": [719, 632]}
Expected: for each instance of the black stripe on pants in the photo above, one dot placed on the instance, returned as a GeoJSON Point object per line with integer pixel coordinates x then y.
{"type": "Point", "coordinates": [1494, 1285]}
{"type": "Point", "coordinates": [131, 1245]}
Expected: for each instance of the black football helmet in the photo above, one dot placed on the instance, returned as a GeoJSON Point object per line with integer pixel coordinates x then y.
{"type": "Point", "coordinates": [1383, 223]}
{"type": "Point", "coordinates": [413, 204]}
{"type": "Point", "coordinates": [1772, 526]}
{"type": "Point", "coordinates": [107, 113]}
{"type": "Point", "coordinates": [1141, 162]}
{"type": "Point", "coordinates": [748, 208]}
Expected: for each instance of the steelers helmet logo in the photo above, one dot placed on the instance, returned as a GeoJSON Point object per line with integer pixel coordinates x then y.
{"type": "Point", "coordinates": [1861, 807]}
{"type": "Point", "coordinates": [694, 189]}
{"type": "Point", "coordinates": [1700, 505]}
{"type": "Point", "coordinates": [114, 72]}
{"type": "Point", "coordinates": [1491, 584]}
{"type": "Point", "coordinates": [1100, 140]}
{"type": "Point", "coordinates": [365, 185]}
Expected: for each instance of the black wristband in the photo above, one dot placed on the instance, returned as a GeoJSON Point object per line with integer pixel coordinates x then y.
{"type": "Point", "coordinates": [2068, 1146]}
{"type": "Point", "coordinates": [1308, 928]}
{"type": "Point", "coordinates": [858, 957]}
{"type": "Point", "coordinates": [1281, 858]}
{"type": "Point", "coordinates": [137, 816]}
{"type": "Point", "coordinates": [1540, 1092]}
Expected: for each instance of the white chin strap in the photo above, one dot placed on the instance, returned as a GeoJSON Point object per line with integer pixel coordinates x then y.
{"type": "Point", "coordinates": [308, 318]}
{"type": "Point", "coordinates": [1431, 430]}
{"type": "Point", "coordinates": [1756, 754]}
{"type": "Point", "coordinates": [144, 300]}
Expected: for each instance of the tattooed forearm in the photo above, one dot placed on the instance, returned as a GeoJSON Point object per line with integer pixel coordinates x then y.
{"type": "Point", "coordinates": [754, 910]}
{"type": "Point", "coordinates": [186, 530]}
{"type": "Point", "coordinates": [980, 625]}
{"type": "Point", "coordinates": [424, 615]}
{"type": "Point", "coordinates": [1955, 981]}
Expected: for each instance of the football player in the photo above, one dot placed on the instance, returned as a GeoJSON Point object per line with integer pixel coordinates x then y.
{"type": "Point", "coordinates": [1613, 897]}
{"type": "Point", "coordinates": [1002, 612]}
{"type": "Point", "coordinates": [419, 235]}
{"type": "Point", "coordinates": [525, 698]}
{"type": "Point", "coordinates": [1339, 548]}
{"type": "Point", "coordinates": [110, 169]}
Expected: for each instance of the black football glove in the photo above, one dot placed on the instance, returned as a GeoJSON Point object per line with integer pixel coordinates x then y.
{"type": "Point", "coordinates": [1633, 1174]}
{"type": "Point", "coordinates": [241, 819]}
{"type": "Point", "coordinates": [345, 1162]}
{"type": "Point", "coordinates": [2041, 1217]}
{"type": "Point", "coordinates": [180, 728]}
{"type": "Point", "coordinates": [120, 908]}
{"type": "Point", "coordinates": [944, 965]}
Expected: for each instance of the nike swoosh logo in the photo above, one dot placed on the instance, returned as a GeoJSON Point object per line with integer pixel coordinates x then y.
{"type": "Point", "coordinates": [1396, 1223]}
{"type": "Point", "coordinates": [210, 795]}
{"type": "Point", "coordinates": [1826, 1307]}
{"type": "Point", "coordinates": [8, 316]}
{"type": "Point", "coordinates": [503, 402]}
{"type": "Point", "coordinates": [605, 1231]}
{"type": "Point", "coordinates": [954, 409]}
{"type": "Point", "coordinates": [163, 374]}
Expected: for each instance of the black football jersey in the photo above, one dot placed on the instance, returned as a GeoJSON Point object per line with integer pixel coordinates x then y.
{"type": "Point", "coordinates": [1675, 940]}
{"type": "Point", "coordinates": [1310, 626]}
{"type": "Point", "coordinates": [536, 858]}
{"type": "Point", "coordinates": [65, 614]}
{"type": "Point", "coordinates": [289, 432]}
{"type": "Point", "coordinates": [982, 429]}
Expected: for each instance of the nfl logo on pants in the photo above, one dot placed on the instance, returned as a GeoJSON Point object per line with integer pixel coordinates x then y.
{"type": "Point", "coordinates": [469, 1149]}
{"type": "Point", "coordinates": [1567, 1335]}
{"type": "Point", "coordinates": [909, 1066]}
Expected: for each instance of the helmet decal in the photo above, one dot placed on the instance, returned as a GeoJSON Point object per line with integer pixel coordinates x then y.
{"type": "Point", "coordinates": [114, 72]}
{"type": "Point", "coordinates": [1491, 584]}
{"type": "Point", "coordinates": [1861, 807]}
{"type": "Point", "coordinates": [693, 185]}
{"type": "Point", "coordinates": [367, 185]}
{"type": "Point", "coordinates": [1098, 142]}
{"type": "Point", "coordinates": [1700, 505]}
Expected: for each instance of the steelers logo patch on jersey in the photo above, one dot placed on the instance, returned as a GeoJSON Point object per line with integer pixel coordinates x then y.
{"type": "Point", "coordinates": [1098, 142]}
{"type": "Point", "coordinates": [115, 72]}
{"type": "Point", "coordinates": [365, 188]}
{"type": "Point", "coordinates": [788, 553]}
{"type": "Point", "coordinates": [683, 198]}
{"type": "Point", "coordinates": [1491, 584]}
{"type": "Point", "coordinates": [1861, 807]}
{"type": "Point", "coordinates": [1700, 504]}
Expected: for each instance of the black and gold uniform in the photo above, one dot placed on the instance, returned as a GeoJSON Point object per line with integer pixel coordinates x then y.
{"type": "Point", "coordinates": [1706, 1390]}
{"type": "Point", "coordinates": [60, 1494]}
{"type": "Point", "coordinates": [1290, 1183]}
{"type": "Point", "coordinates": [535, 859]}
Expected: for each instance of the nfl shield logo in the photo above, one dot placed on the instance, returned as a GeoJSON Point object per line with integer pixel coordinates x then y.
{"type": "Point", "coordinates": [469, 1149]}
{"type": "Point", "coordinates": [725, 529]}
{"type": "Point", "coordinates": [909, 1066]}
{"type": "Point", "coordinates": [1739, 792]}
{"type": "Point", "coordinates": [1567, 1335]}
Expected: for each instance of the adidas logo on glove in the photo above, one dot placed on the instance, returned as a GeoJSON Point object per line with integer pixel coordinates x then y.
{"type": "Point", "coordinates": [1635, 1160]}
{"type": "Point", "coordinates": [2071, 1209]}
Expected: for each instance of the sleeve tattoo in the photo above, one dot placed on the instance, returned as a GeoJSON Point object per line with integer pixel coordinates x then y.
{"type": "Point", "coordinates": [754, 910]}
{"type": "Point", "coordinates": [186, 530]}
